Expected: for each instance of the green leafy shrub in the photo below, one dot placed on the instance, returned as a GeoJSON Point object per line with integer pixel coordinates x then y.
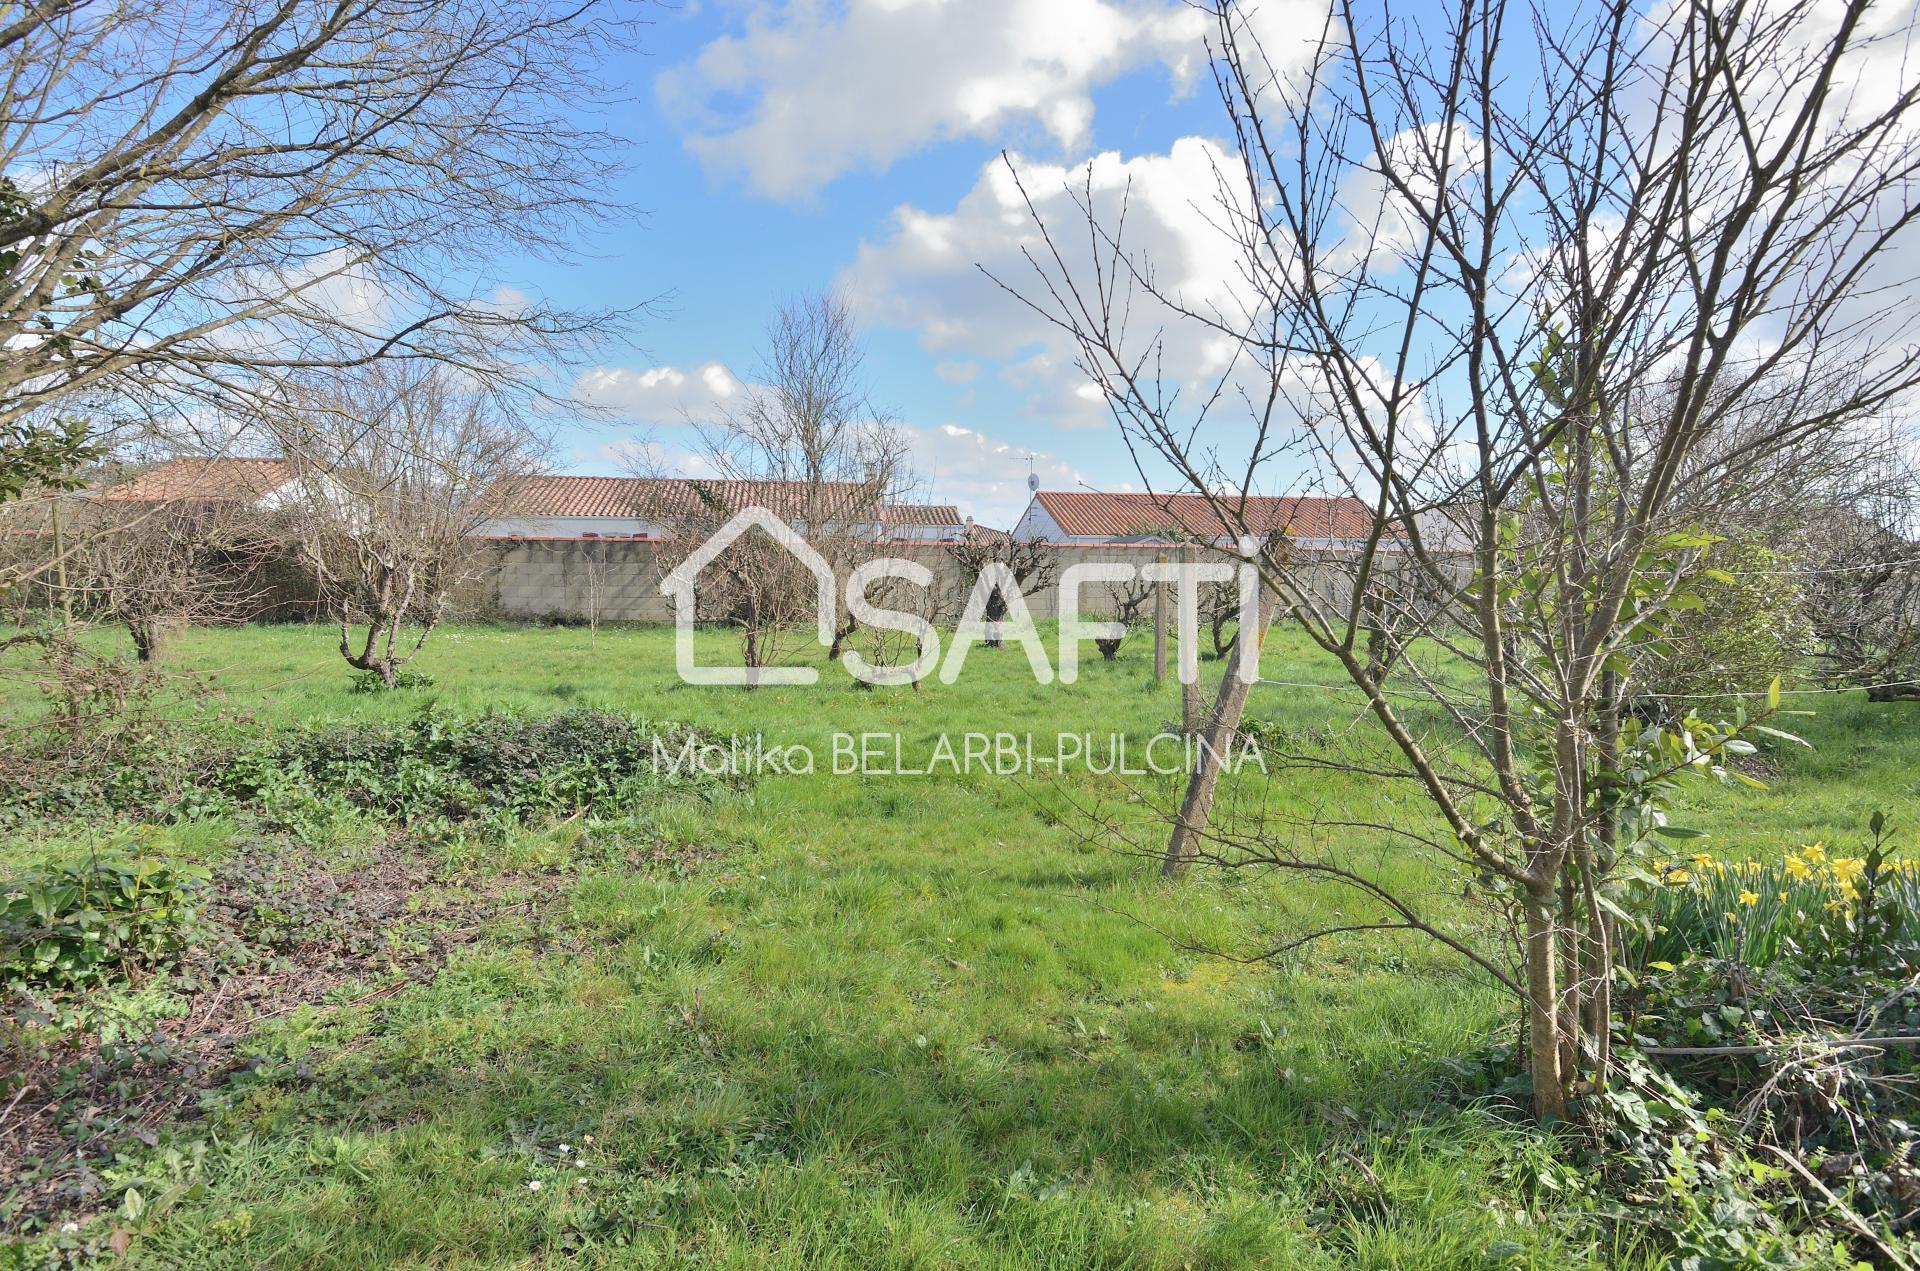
{"type": "Point", "coordinates": [1739, 626]}
{"type": "Point", "coordinates": [500, 767]}
{"type": "Point", "coordinates": [372, 683]}
{"type": "Point", "coordinates": [66, 926]}
{"type": "Point", "coordinates": [432, 771]}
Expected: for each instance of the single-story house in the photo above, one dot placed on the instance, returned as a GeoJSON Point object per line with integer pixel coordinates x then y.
{"type": "Point", "coordinates": [265, 484]}
{"type": "Point", "coordinates": [1094, 517]}
{"type": "Point", "coordinates": [925, 522]}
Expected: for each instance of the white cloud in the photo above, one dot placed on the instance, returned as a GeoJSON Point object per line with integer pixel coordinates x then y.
{"type": "Point", "coordinates": [925, 274]}
{"type": "Point", "coordinates": [823, 90]}
{"type": "Point", "coordinates": [984, 476]}
{"type": "Point", "coordinates": [661, 394]}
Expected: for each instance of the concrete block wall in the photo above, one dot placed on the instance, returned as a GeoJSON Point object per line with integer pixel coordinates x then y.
{"type": "Point", "coordinates": [618, 580]}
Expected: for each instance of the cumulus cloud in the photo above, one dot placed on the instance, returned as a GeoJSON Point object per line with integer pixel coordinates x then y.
{"type": "Point", "coordinates": [984, 476]}
{"type": "Point", "coordinates": [933, 272]}
{"type": "Point", "coordinates": [810, 91]}
{"type": "Point", "coordinates": [660, 394]}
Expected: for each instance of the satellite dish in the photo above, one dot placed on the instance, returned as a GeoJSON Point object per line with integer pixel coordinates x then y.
{"type": "Point", "coordinates": [1033, 481]}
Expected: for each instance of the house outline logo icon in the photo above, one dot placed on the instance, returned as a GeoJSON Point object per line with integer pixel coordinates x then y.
{"type": "Point", "coordinates": [679, 585]}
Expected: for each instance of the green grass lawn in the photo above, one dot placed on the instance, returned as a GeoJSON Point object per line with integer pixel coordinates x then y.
{"type": "Point", "coordinates": [891, 1021]}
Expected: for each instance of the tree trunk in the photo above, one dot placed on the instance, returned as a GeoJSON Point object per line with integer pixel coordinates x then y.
{"type": "Point", "coordinates": [750, 650]}
{"type": "Point", "coordinates": [995, 613]}
{"type": "Point", "coordinates": [841, 633]}
{"type": "Point", "coordinates": [1222, 726]}
{"type": "Point", "coordinates": [1543, 1008]}
{"type": "Point", "coordinates": [1160, 625]}
{"type": "Point", "coordinates": [146, 638]}
{"type": "Point", "coordinates": [1380, 648]}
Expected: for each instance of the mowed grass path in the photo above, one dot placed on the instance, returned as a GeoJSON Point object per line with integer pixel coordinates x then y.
{"type": "Point", "coordinates": [894, 1021]}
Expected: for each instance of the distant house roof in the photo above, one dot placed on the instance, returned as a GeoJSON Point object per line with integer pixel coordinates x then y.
{"type": "Point", "coordinates": [670, 496]}
{"type": "Point", "coordinates": [1095, 513]}
{"type": "Point", "coordinates": [201, 478]}
{"type": "Point", "coordinates": [921, 514]}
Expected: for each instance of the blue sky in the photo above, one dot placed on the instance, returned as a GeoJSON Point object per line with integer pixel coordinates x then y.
{"type": "Point", "coordinates": [782, 148]}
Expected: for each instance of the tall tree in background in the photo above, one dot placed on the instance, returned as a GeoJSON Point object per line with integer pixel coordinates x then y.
{"type": "Point", "coordinates": [807, 442]}
{"type": "Point", "coordinates": [1861, 575]}
{"type": "Point", "coordinates": [1518, 278]}
{"type": "Point", "coordinates": [401, 463]}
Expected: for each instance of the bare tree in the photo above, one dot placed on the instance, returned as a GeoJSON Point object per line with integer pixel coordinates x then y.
{"type": "Point", "coordinates": [1219, 609]}
{"type": "Point", "coordinates": [1860, 571]}
{"type": "Point", "coordinates": [807, 443]}
{"type": "Point", "coordinates": [402, 462]}
{"type": "Point", "coordinates": [1126, 600]}
{"type": "Point", "coordinates": [1031, 563]}
{"type": "Point", "coordinates": [197, 200]}
{"type": "Point", "coordinates": [1533, 271]}
{"type": "Point", "coordinates": [149, 567]}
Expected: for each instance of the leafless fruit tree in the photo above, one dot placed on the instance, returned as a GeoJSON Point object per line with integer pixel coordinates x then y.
{"type": "Point", "coordinates": [149, 567]}
{"type": "Point", "coordinates": [1125, 600]}
{"type": "Point", "coordinates": [401, 463]}
{"type": "Point", "coordinates": [1523, 272]}
{"type": "Point", "coordinates": [1031, 563]}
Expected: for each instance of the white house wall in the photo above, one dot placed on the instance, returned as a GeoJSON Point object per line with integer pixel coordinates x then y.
{"type": "Point", "coordinates": [571, 527]}
{"type": "Point", "coordinates": [1037, 522]}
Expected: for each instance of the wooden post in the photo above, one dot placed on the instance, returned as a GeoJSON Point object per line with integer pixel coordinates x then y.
{"type": "Point", "coordinates": [1190, 710]}
{"type": "Point", "coordinates": [1160, 625]}
{"type": "Point", "coordinates": [1221, 728]}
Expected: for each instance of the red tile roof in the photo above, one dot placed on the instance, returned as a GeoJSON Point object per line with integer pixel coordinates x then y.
{"type": "Point", "coordinates": [649, 496]}
{"type": "Point", "coordinates": [922, 514]}
{"type": "Point", "coordinates": [1091, 513]}
{"type": "Point", "coordinates": [202, 478]}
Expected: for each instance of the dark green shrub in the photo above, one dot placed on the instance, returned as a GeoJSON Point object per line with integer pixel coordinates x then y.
{"type": "Point", "coordinates": [372, 683]}
{"type": "Point", "coordinates": [499, 765]}
{"type": "Point", "coordinates": [1742, 625]}
{"type": "Point", "coordinates": [64, 926]}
